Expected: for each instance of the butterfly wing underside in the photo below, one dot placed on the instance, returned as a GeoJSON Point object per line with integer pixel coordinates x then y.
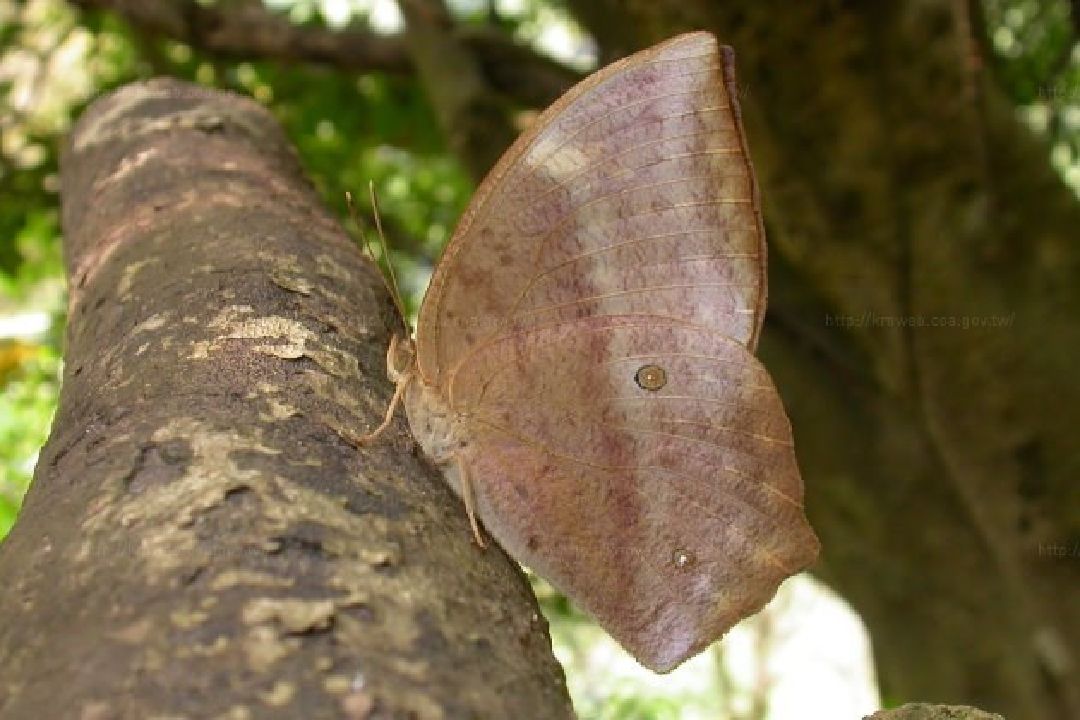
{"type": "Point", "coordinates": [669, 511]}
{"type": "Point", "coordinates": [585, 353]}
{"type": "Point", "coordinates": [632, 194]}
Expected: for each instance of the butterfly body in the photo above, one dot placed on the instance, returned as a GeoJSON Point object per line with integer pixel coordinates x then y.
{"type": "Point", "coordinates": [583, 369]}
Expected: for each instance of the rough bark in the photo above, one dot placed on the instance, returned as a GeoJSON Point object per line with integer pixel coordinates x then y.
{"type": "Point", "coordinates": [200, 540]}
{"type": "Point", "coordinates": [940, 462]}
{"type": "Point", "coordinates": [921, 711]}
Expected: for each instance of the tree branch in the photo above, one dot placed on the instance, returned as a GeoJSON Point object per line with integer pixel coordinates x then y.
{"type": "Point", "coordinates": [251, 31]}
{"type": "Point", "coordinates": [473, 117]}
{"type": "Point", "coordinates": [199, 541]}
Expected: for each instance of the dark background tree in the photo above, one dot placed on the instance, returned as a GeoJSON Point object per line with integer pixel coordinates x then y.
{"type": "Point", "coordinates": [923, 268]}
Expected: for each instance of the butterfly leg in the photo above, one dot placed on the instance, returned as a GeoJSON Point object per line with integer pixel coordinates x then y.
{"type": "Point", "coordinates": [401, 381]}
{"type": "Point", "coordinates": [399, 391]}
{"type": "Point", "coordinates": [469, 498]}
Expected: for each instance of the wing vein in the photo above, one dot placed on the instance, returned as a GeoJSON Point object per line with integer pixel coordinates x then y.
{"type": "Point", "coordinates": [722, 428]}
{"type": "Point", "coordinates": [636, 241]}
{"type": "Point", "coordinates": [599, 162]}
{"type": "Point", "coordinates": [603, 160]}
{"type": "Point", "coordinates": [622, 109]}
{"type": "Point", "coordinates": [620, 293]}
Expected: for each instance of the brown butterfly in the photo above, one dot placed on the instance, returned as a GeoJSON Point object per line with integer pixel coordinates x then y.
{"type": "Point", "coordinates": [583, 367]}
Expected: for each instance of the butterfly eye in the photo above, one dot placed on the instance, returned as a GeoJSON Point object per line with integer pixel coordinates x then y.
{"type": "Point", "coordinates": [650, 377]}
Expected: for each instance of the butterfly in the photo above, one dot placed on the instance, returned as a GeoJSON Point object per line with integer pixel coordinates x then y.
{"type": "Point", "coordinates": [583, 366]}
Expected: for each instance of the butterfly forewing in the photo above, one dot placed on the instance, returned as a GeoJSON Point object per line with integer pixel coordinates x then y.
{"type": "Point", "coordinates": [632, 194]}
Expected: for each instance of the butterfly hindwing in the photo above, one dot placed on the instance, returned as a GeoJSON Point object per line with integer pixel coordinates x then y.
{"type": "Point", "coordinates": [646, 468]}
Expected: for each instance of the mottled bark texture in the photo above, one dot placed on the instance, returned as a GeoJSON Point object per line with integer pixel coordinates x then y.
{"type": "Point", "coordinates": [940, 461]}
{"type": "Point", "coordinates": [199, 540]}
{"type": "Point", "coordinates": [922, 711]}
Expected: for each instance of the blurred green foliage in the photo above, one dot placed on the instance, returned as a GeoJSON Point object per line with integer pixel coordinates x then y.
{"type": "Point", "coordinates": [29, 375]}
{"type": "Point", "coordinates": [1036, 58]}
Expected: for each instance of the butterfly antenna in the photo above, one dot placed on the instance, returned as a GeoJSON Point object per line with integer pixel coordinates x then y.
{"type": "Point", "coordinates": [370, 251]}
{"type": "Point", "coordinates": [394, 290]}
{"type": "Point", "coordinates": [359, 227]}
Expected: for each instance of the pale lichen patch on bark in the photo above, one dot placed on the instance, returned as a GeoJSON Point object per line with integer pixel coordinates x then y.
{"type": "Point", "coordinates": [328, 266]}
{"type": "Point", "coordinates": [200, 350]}
{"type": "Point", "coordinates": [337, 684]}
{"type": "Point", "coordinates": [218, 646]}
{"type": "Point", "coordinates": [127, 279]}
{"type": "Point", "coordinates": [167, 510]}
{"type": "Point", "coordinates": [154, 322]}
{"type": "Point", "coordinates": [399, 630]}
{"type": "Point", "coordinates": [278, 410]}
{"type": "Point", "coordinates": [294, 333]}
{"type": "Point", "coordinates": [229, 315]}
{"type": "Point", "coordinates": [292, 282]}
{"type": "Point", "coordinates": [281, 694]}
{"type": "Point", "coordinates": [236, 712]}
{"type": "Point", "coordinates": [294, 340]}
{"type": "Point", "coordinates": [306, 505]}
{"type": "Point", "coordinates": [118, 118]}
{"type": "Point", "coordinates": [134, 633]}
{"type": "Point", "coordinates": [416, 669]}
{"type": "Point", "coordinates": [287, 263]}
{"type": "Point", "coordinates": [253, 578]}
{"type": "Point", "coordinates": [336, 362]}
{"type": "Point", "coordinates": [264, 647]}
{"type": "Point", "coordinates": [292, 614]}
{"type": "Point", "coordinates": [126, 166]}
{"type": "Point", "coordinates": [187, 619]}
{"type": "Point", "coordinates": [285, 352]}
{"type": "Point", "coordinates": [111, 121]}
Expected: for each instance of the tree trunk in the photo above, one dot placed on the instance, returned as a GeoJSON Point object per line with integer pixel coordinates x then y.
{"type": "Point", "coordinates": [922, 329]}
{"type": "Point", "coordinates": [200, 539]}
{"type": "Point", "coordinates": [922, 711]}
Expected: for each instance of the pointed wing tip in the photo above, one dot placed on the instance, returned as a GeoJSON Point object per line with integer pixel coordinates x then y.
{"type": "Point", "coordinates": [663, 660]}
{"type": "Point", "coordinates": [662, 654]}
{"type": "Point", "coordinates": [702, 39]}
{"type": "Point", "coordinates": [665, 657]}
{"type": "Point", "coordinates": [706, 40]}
{"type": "Point", "coordinates": [702, 36]}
